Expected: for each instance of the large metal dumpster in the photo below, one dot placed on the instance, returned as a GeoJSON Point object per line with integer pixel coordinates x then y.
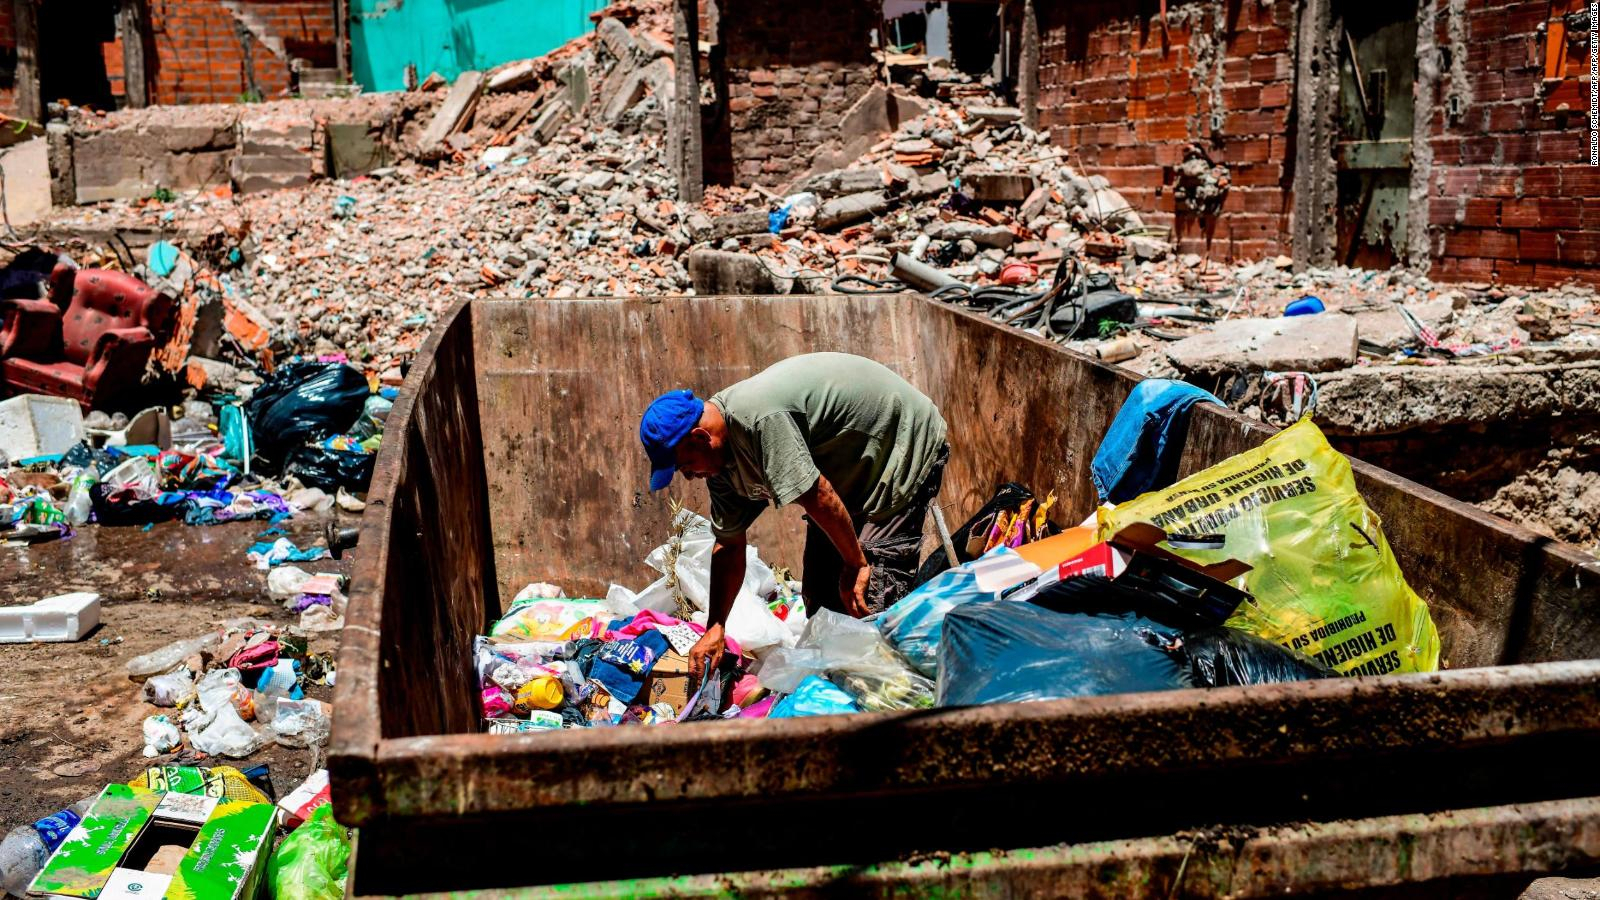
{"type": "Point", "coordinates": [512, 456]}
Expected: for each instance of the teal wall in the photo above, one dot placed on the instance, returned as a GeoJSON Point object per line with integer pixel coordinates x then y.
{"type": "Point", "coordinates": [454, 36]}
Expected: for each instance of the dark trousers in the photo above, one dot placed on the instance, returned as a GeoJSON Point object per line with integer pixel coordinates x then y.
{"type": "Point", "coordinates": [893, 548]}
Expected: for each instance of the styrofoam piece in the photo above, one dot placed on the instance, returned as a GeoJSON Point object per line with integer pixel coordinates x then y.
{"type": "Point", "coordinates": [37, 425]}
{"type": "Point", "coordinates": [67, 617]}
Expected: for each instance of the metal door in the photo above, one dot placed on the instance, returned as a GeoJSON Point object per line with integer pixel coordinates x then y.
{"type": "Point", "coordinates": [1377, 68]}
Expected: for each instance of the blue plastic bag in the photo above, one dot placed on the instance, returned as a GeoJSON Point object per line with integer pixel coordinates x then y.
{"type": "Point", "coordinates": [816, 696]}
{"type": "Point", "coordinates": [913, 625]}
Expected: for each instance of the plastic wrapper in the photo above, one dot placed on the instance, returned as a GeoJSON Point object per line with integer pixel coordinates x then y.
{"type": "Point", "coordinates": [816, 696]}
{"type": "Point", "coordinates": [1003, 651]}
{"type": "Point", "coordinates": [303, 402]}
{"type": "Point", "coordinates": [160, 736]}
{"type": "Point", "coordinates": [226, 735]}
{"type": "Point", "coordinates": [170, 689]}
{"type": "Point", "coordinates": [914, 624]}
{"type": "Point", "coordinates": [313, 862]}
{"type": "Point", "coordinates": [853, 656]}
{"type": "Point", "coordinates": [301, 723]}
{"type": "Point", "coordinates": [1222, 657]}
{"type": "Point", "coordinates": [1324, 580]}
{"type": "Point", "coordinates": [537, 618]}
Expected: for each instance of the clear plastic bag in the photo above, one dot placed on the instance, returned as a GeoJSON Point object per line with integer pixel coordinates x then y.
{"type": "Point", "coordinates": [226, 735]}
{"type": "Point", "coordinates": [854, 656]}
{"type": "Point", "coordinates": [913, 625]}
{"type": "Point", "coordinates": [301, 723]}
{"type": "Point", "coordinates": [170, 689]}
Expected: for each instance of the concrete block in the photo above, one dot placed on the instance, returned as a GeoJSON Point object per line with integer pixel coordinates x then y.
{"type": "Point", "coordinates": [984, 235]}
{"type": "Point", "coordinates": [1387, 330]}
{"type": "Point", "coordinates": [997, 187]}
{"type": "Point", "coordinates": [841, 211]}
{"type": "Point", "coordinates": [734, 224]}
{"type": "Point", "coordinates": [356, 148]}
{"type": "Point", "coordinates": [38, 425]}
{"type": "Point", "coordinates": [722, 272]}
{"type": "Point", "coordinates": [615, 38]}
{"type": "Point", "coordinates": [1319, 343]}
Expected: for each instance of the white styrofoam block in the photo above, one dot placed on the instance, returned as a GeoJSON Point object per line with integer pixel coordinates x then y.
{"type": "Point", "coordinates": [67, 617]}
{"type": "Point", "coordinates": [37, 425]}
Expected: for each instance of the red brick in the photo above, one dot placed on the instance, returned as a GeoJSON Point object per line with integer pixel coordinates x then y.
{"type": "Point", "coordinates": [1476, 243]}
{"type": "Point", "coordinates": [1580, 248]}
{"type": "Point", "coordinates": [1534, 246]}
{"type": "Point", "coordinates": [1481, 212]}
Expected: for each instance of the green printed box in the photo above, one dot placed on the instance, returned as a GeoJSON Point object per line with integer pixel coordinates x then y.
{"type": "Point", "coordinates": [139, 844]}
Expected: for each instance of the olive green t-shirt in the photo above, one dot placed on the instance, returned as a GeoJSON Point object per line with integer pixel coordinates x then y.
{"type": "Point", "coordinates": [870, 432]}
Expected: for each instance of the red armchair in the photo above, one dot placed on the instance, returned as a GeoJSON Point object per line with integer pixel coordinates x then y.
{"type": "Point", "coordinates": [90, 341]}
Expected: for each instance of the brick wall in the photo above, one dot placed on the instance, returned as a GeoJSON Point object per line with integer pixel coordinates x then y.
{"type": "Point", "coordinates": [1126, 96]}
{"type": "Point", "coordinates": [1511, 194]}
{"type": "Point", "coordinates": [200, 57]}
{"type": "Point", "coordinates": [793, 71]}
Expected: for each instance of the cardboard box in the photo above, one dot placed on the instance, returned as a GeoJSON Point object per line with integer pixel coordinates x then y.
{"type": "Point", "coordinates": [304, 800]}
{"type": "Point", "coordinates": [139, 844]}
{"type": "Point", "coordinates": [668, 682]}
{"type": "Point", "coordinates": [1163, 584]}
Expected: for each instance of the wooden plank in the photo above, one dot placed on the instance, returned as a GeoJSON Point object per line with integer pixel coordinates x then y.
{"type": "Point", "coordinates": [25, 22]}
{"type": "Point", "coordinates": [132, 24]}
{"type": "Point", "coordinates": [454, 112]}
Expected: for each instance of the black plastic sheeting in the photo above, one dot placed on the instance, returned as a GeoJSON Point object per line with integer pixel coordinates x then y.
{"type": "Point", "coordinates": [1004, 651]}
{"type": "Point", "coordinates": [330, 469]}
{"type": "Point", "coordinates": [304, 402]}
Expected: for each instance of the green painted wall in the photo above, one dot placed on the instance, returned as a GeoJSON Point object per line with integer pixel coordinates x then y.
{"type": "Point", "coordinates": [454, 36]}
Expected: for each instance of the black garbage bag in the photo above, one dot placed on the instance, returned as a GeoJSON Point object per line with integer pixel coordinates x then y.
{"type": "Point", "coordinates": [1157, 596]}
{"type": "Point", "coordinates": [1008, 497]}
{"type": "Point", "coordinates": [116, 506]}
{"type": "Point", "coordinates": [323, 467]}
{"type": "Point", "coordinates": [82, 455]}
{"type": "Point", "coordinates": [303, 402]}
{"type": "Point", "coordinates": [21, 278]}
{"type": "Point", "coordinates": [1004, 651]}
{"type": "Point", "coordinates": [1220, 657]}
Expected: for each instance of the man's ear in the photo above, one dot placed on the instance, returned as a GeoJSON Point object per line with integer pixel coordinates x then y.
{"type": "Point", "coordinates": [700, 438]}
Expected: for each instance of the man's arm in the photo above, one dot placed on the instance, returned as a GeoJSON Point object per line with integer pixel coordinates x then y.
{"type": "Point", "coordinates": [727, 576]}
{"type": "Point", "coordinates": [826, 510]}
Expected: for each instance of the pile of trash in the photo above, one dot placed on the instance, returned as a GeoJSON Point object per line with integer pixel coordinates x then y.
{"type": "Point", "coordinates": [247, 671]}
{"type": "Point", "coordinates": [303, 438]}
{"type": "Point", "coordinates": [208, 833]}
{"type": "Point", "coordinates": [1267, 567]}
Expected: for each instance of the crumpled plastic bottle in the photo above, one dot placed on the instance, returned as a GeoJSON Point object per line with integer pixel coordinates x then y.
{"type": "Point", "coordinates": [164, 660]}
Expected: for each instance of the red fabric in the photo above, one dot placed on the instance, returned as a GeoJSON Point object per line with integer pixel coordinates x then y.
{"type": "Point", "coordinates": [30, 328]}
{"type": "Point", "coordinates": [108, 326]}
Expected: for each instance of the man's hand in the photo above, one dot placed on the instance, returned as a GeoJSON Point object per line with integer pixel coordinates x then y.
{"type": "Point", "coordinates": [706, 654]}
{"type": "Point", "coordinates": [853, 590]}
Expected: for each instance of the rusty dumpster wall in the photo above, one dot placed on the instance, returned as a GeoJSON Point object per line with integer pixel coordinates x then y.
{"type": "Point", "coordinates": [561, 387]}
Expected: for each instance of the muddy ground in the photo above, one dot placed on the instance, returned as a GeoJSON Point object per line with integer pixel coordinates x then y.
{"type": "Point", "coordinates": [69, 717]}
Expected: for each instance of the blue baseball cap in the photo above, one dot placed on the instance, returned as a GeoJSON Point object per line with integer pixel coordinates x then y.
{"type": "Point", "coordinates": [668, 418]}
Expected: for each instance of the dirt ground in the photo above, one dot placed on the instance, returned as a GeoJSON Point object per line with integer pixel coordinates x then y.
{"type": "Point", "coordinates": [69, 717]}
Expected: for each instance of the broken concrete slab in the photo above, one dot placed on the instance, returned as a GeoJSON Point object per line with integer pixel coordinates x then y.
{"type": "Point", "coordinates": [842, 211]}
{"type": "Point", "coordinates": [454, 113]}
{"type": "Point", "coordinates": [985, 235]}
{"type": "Point", "coordinates": [356, 148]}
{"type": "Point", "coordinates": [1386, 330]}
{"type": "Point", "coordinates": [931, 185]}
{"type": "Point", "coordinates": [998, 187]}
{"type": "Point", "coordinates": [1319, 343]}
{"type": "Point", "coordinates": [722, 272]}
{"type": "Point", "coordinates": [615, 38]}
{"type": "Point", "coordinates": [1034, 204]}
{"type": "Point", "coordinates": [839, 182]}
{"type": "Point", "coordinates": [555, 114]}
{"type": "Point", "coordinates": [736, 224]}
{"type": "Point", "coordinates": [995, 113]}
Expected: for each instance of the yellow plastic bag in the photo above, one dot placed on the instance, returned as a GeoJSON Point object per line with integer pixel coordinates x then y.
{"type": "Point", "coordinates": [1324, 580]}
